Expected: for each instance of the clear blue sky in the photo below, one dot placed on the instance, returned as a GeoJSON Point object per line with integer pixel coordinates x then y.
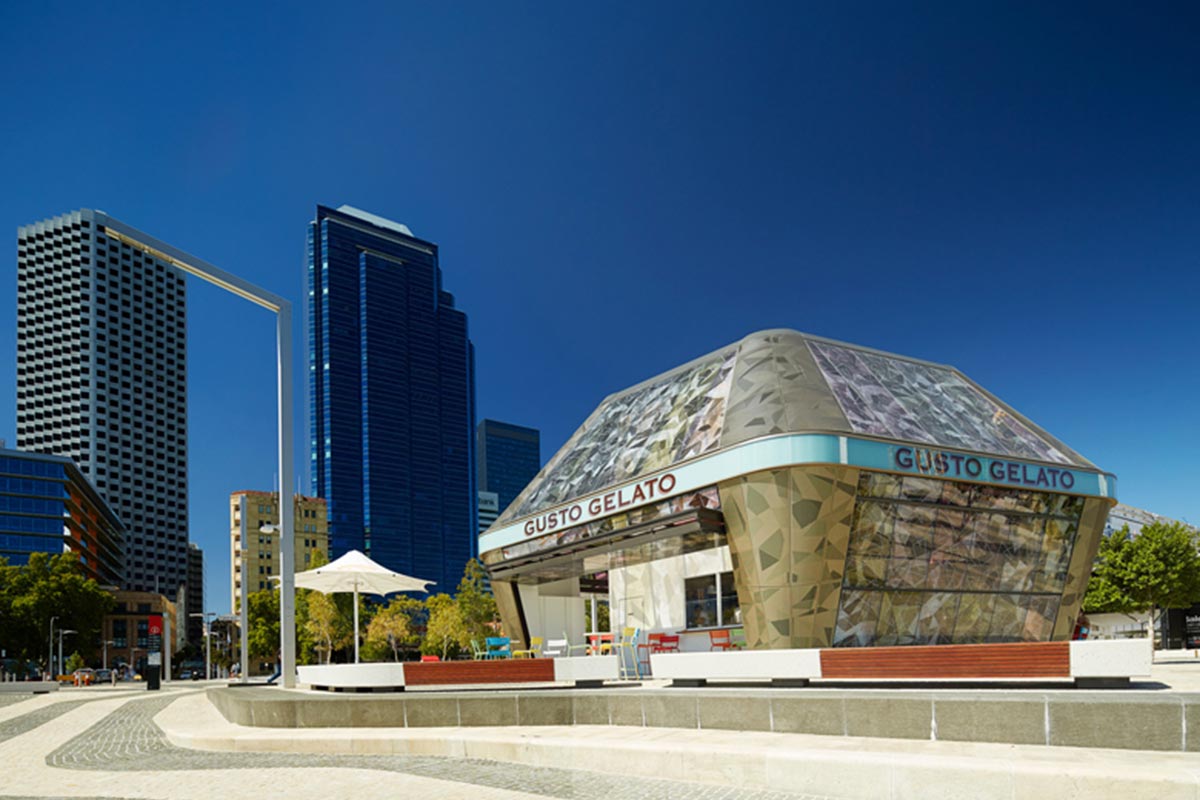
{"type": "Point", "coordinates": [1013, 189]}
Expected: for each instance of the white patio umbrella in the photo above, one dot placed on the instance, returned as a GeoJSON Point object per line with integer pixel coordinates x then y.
{"type": "Point", "coordinates": [354, 572]}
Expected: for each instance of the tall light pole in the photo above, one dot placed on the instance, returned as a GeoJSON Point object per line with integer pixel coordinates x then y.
{"type": "Point", "coordinates": [107, 642]}
{"type": "Point", "coordinates": [283, 336]}
{"type": "Point", "coordinates": [244, 612]}
{"type": "Point", "coordinates": [207, 617]}
{"type": "Point", "coordinates": [50, 650]}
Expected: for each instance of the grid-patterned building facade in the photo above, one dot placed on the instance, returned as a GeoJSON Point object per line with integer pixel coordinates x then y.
{"type": "Point", "coordinates": [194, 594]}
{"type": "Point", "coordinates": [47, 506]}
{"type": "Point", "coordinates": [101, 379]}
{"type": "Point", "coordinates": [392, 394]}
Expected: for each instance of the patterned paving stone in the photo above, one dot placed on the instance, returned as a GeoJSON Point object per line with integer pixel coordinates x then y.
{"type": "Point", "coordinates": [27, 722]}
{"type": "Point", "coordinates": [7, 699]}
{"type": "Point", "coordinates": [128, 740]}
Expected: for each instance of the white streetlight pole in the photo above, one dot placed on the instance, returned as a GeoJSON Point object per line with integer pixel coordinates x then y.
{"type": "Point", "coordinates": [283, 335]}
{"type": "Point", "coordinates": [206, 616]}
{"type": "Point", "coordinates": [107, 642]}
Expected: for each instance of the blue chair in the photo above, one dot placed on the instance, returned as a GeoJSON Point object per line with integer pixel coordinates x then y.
{"type": "Point", "coordinates": [499, 647]}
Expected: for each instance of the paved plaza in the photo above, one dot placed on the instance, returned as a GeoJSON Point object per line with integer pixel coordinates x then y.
{"type": "Point", "coordinates": [106, 744]}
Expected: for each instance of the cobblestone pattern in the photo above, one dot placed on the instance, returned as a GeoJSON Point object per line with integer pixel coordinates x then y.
{"type": "Point", "coordinates": [128, 740]}
{"type": "Point", "coordinates": [27, 722]}
{"type": "Point", "coordinates": [7, 699]}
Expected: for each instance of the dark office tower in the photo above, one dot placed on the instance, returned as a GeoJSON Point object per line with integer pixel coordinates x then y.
{"type": "Point", "coordinates": [392, 397]}
{"type": "Point", "coordinates": [194, 603]}
{"type": "Point", "coordinates": [507, 457]}
{"type": "Point", "coordinates": [101, 379]}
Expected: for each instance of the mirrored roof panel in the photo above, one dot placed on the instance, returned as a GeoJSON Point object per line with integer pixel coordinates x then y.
{"type": "Point", "coordinates": [775, 382]}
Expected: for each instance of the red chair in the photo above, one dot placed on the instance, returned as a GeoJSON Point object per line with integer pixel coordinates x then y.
{"type": "Point", "coordinates": [429, 659]}
{"type": "Point", "coordinates": [669, 643]}
{"type": "Point", "coordinates": [719, 640]}
{"type": "Point", "coordinates": [600, 644]}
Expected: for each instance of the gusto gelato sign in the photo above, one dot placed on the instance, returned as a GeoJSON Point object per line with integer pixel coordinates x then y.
{"type": "Point", "coordinates": [956, 465]}
{"type": "Point", "coordinates": [604, 504]}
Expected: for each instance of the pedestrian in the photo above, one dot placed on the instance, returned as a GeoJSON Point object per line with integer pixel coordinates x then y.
{"type": "Point", "coordinates": [113, 674]}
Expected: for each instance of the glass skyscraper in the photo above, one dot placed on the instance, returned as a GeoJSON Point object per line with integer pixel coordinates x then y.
{"type": "Point", "coordinates": [392, 397]}
{"type": "Point", "coordinates": [508, 457]}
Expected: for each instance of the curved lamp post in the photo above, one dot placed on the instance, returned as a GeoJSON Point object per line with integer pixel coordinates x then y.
{"type": "Point", "coordinates": [283, 332]}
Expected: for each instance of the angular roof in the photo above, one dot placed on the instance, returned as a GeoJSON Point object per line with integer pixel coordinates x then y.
{"type": "Point", "coordinates": [776, 382]}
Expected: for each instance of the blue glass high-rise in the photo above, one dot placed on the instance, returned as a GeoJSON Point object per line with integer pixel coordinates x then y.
{"type": "Point", "coordinates": [392, 397]}
{"type": "Point", "coordinates": [508, 457]}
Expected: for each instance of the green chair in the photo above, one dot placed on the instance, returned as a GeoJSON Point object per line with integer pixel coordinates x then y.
{"type": "Point", "coordinates": [477, 652]}
{"type": "Point", "coordinates": [737, 638]}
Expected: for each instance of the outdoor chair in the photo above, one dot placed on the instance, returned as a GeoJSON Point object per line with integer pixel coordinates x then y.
{"type": "Point", "coordinates": [571, 648]}
{"type": "Point", "coordinates": [477, 652]}
{"type": "Point", "coordinates": [669, 643]}
{"type": "Point", "coordinates": [600, 644]}
{"type": "Point", "coordinates": [628, 643]}
{"type": "Point", "coordinates": [737, 637]}
{"type": "Point", "coordinates": [555, 648]}
{"type": "Point", "coordinates": [535, 648]}
{"type": "Point", "coordinates": [429, 659]}
{"type": "Point", "coordinates": [719, 640]}
{"type": "Point", "coordinates": [498, 647]}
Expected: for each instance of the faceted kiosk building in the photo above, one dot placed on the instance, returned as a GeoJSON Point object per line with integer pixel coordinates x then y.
{"type": "Point", "coordinates": [814, 493]}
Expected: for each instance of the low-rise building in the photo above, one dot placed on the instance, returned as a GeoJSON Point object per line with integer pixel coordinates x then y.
{"type": "Point", "coordinates": [48, 506]}
{"type": "Point", "coordinates": [261, 550]}
{"type": "Point", "coordinates": [131, 627]}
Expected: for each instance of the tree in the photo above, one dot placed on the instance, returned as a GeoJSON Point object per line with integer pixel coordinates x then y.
{"type": "Point", "coordinates": [476, 604]}
{"type": "Point", "coordinates": [446, 632]}
{"type": "Point", "coordinates": [262, 614]}
{"type": "Point", "coordinates": [49, 586]}
{"type": "Point", "coordinates": [327, 625]}
{"type": "Point", "coordinates": [392, 628]}
{"type": "Point", "coordinates": [1157, 569]}
{"type": "Point", "coordinates": [74, 662]}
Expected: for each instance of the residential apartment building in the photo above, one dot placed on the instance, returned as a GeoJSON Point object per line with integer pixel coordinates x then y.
{"type": "Point", "coordinates": [261, 510]}
{"type": "Point", "coordinates": [102, 378]}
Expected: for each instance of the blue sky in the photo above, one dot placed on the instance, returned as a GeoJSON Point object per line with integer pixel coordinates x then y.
{"type": "Point", "coordinates": [1013, 189]}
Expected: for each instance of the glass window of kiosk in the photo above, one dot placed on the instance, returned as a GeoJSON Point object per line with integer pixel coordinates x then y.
{"type": "Point", "coordinates": [711, 601]}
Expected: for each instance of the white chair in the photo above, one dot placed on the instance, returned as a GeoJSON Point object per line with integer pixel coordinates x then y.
{"type": "Point", "coordinates": [554, 647]}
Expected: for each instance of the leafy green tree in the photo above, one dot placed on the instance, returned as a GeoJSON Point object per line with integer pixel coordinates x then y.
{"type": "Point", "coordinates": [391, 629]}
{"type": "Point", "coordinates": [1157, 569]}
{"type": "Point", "coordinates": [49, 586]}
{"type": "Point", "coordinates": [327, 625]}
{"type": "Point", "coordinates": [476, 604]}
{"type": "Point", "coordinates": [74, 662]}
{"type": "Point", "coordinates": [446, 632]}
{"type": "Point", "coordinates": [262, 612]}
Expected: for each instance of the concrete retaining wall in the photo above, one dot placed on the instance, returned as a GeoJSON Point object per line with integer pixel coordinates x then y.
{"type": "Point", "coordinates": [1136, 720]}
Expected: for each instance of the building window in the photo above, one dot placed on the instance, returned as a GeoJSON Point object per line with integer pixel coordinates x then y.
{"type": "Point", "coordinates": [711, 600]}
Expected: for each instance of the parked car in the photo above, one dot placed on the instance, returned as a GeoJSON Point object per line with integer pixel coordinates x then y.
{"type": "Point", "coordinates": [187, 675]}
{"type": "Point", "coordinates": [103, 675]}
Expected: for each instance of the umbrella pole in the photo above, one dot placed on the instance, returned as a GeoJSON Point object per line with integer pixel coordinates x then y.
{"type": "Point", "coordinates": [356, 620]}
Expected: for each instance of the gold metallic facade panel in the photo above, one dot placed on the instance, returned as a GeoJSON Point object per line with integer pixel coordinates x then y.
{"type": "Point", "coordinates": [787, 531]}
